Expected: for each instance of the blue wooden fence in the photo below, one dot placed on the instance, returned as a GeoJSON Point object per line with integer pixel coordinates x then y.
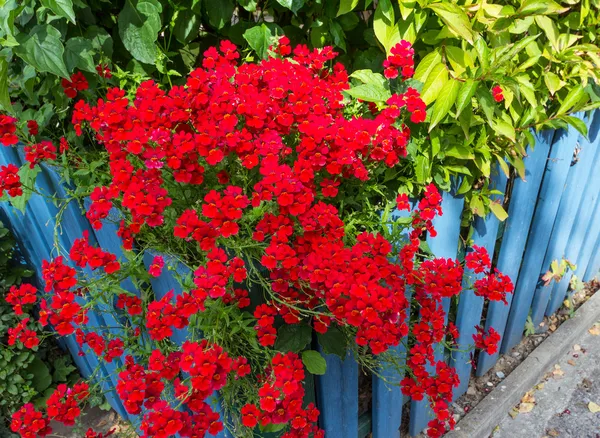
{"type": "Point", "coordinates": [553, 213]}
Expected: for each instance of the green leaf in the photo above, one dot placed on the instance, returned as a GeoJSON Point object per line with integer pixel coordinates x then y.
{"type": "Point", "coordinates": [553, 82]}
{"type": "Point", "coordinates": [370, 92]}
{"type": "Point", "coordinates": [505, 129]}
{"type": "Point", "coordinates": [314, 362]}
{"type": "Point", "coordinates": [483, 53]}
{"type": "Point", "coordinates": [368, 77]}
{"type": "Point", "coordinates": [465, 94]}
{"type": "Point", "coordinates": [219, 12]}
{"type": "Point", "coordinates": [434, 84]}
{"type": "Point", "coordinates": [27, 176]}
{"type": "Point", "coordinates": [62, 369]}
{"type": "Point", "coordinates": [333, 342]}
{"type": "Point", "coordinates": [549, 28]}
{"type": "Point", "coordinates": [346, 6]}
{"type": "Point", "coordinates": [498, 211]}
{"type": "Point", "coordinates": [459, 59]}
{"type": "Point", "coordinates": [43, 49]}
{"type": "Point", "coordinates": [41, 375]}
{"type": "Point", "coordinates": [572, 98]}
{"type": "Point", "coordinates": [485, 99]}
{"type": "Point", "coordinates": [338, 35]}
{"type": "Point", "coordinates": [460, 151]}
{"type": "Point", "coordinates": [259, 38]}
{"type": "Point", "coordinates": [62, 8]}
{"type": "Point", "coordinates": [292, 5]}
{"type": "Point", "coordinates": [187, 26]}
{"type": "Point", "coordinates": [384, 25]}
{"type": "Point", "coordinates": [577, 124]}
{"type": "Point", "coordinates": [422, 169]}
{"type": "Point", "coordinates": [101, 41]}
{"type": "Point", "coordinates": [139, 24]}
{"type": "Point", "coordinates": [541, 7]}
{"type": "Point", "coordinates": [79, 54]}
{"type": "Point", "coordinates": [5, 104]}
{"type": "Point", "coordinates": [455, 18]}
{"type": "Point", "coordinates": [426, 65]}
{"type": "Point", "coordinates": [444, 102]}
{"type": "Point", "coordinates": [293, 337]}
{"type": "Point", "coordinates": [503, 166]}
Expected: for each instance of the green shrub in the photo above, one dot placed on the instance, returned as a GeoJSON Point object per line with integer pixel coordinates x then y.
{"type": "Point", "coordinates": [26, 375]}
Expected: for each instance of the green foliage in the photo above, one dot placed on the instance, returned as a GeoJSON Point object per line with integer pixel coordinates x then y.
{"type": "Point", "coordinates": [25, 375]}
{"type": "Point", "coordinates": [543, 55]}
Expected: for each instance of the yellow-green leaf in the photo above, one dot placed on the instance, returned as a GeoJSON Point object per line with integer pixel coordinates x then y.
{"type": "Point", "coordinates": [346, 6]}
{"type": "Point", "coordinates": [384, 25]}
{"type": "Point", "coordinates": [434, 83]}
{"type": "Point", "coordinates": [459, 59]}
{"type": "Point", "coordinates": [445, 100]}
{"type": "Point", "coordinates": [426, 65]}
{"type": "Point", "coordinates": [505, 129]}
{"type": "Point", "coordinates": [455, 18]}
{"type": "Point", "coordinates": [498, 211]}
{"type": "Point", "coordinates": [465, 94]}
{"type": "Point", "coordinates": [4, 96]}
{"type": "Point", "coordinates": [572, 98]}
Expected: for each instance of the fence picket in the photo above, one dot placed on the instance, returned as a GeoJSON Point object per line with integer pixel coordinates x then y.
{"type": "Point", "coordinates": [577, 181]}
{"type": "Point", "coordinates": [516, 229]}
{"type": "Point", "coordinates": [470, 306]}
{"type": "Point", "coordinates": [582, 218]}
{"type": "Point", "coordinates": [337, 396]}
{"type": "Point", "coordinates": [445, 244]}
{"type": "Point", "coordinates": [553, 183]}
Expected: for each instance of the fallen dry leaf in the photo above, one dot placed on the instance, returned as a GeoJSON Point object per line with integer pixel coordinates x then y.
{"type": "Point", "coordinates": [539, 386]}
{"type": "Point", "coordinates": [526, 407]}
{"type": "Point", "coordinates": [576, 347]}
{"type": "Point", "coordinates": [595, 330]}
{"type": "Point", "coordinates": [552, 327]}
{"type": "Point", "coordinates": [514, 412]}
{"type": "Point", "coordinates": [557, 372]}
{"type": "Point", "coordinates": [553, 432]}
{"type": "Point", "coordinates": [571, 362]}
{"type": "Point", "coordinates": [593, 407]}
{"type": "Point", "coordinates": [528, 397]}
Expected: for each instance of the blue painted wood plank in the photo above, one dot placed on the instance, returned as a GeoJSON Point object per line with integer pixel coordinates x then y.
{"type": "Point", "coordinates": [582, 218]}
{"type": "Point", "coordinates": [445, 244]}
{"type": "Point", "coordinates": [470, 306]}
{"type": "Point", "coordinates": [587, 249]}
{"type": "Point", "coordinates": [516, 229]}
{"type": "Point", "coordinates": [577, 181]}
{"type": "Point", "coordinates": [555, 176]}
{"type": "Point", "coordinates": [593, 268]}
{"type": "Point", "coordinates": [337, 397]}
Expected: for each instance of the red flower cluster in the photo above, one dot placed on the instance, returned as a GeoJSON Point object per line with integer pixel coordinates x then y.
{"type": "Point", "coordinates": [401, 58]}
{"type": "Point", "coordinates": [77, 83]}
{"type": "Point", "coordinates": [486, 342]}
{"type": "Point", "coordinates": [281, 400]}
{"type": "Point", "coordinates": [83, 254]}
{"type": "Point", "coordinates": [61, 406]}
{"type": "Point", "coordinates": [21, 333]}
{"type": "Point", "coordinates": [32, 127]}
{"type": "Point", "coordinates": [7, 130]}
{"type": "Point", "coordinates": [19, 296]}
{"type": "Point", "coordinates": [478, 260]}
{"type": "Point", "coordinates": [497, 93]}
{"type": "Point", "coordinates": [156, 267]}
{"type": "Point", "coordinates": [39, 152]}
{"type": "Point", "coordinates": [10, 180]}
{"type": "Point", "coordinates": [243, 160]}
{"type": "Point", "coordinates": [494, 286]}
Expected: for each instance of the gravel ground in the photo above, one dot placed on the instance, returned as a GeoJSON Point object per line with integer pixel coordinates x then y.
{"type": "Point", "coordinates": [566, 403]}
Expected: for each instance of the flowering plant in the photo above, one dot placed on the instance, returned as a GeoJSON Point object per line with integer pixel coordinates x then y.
{"type": "Point", "coordinates": [272, 187]}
